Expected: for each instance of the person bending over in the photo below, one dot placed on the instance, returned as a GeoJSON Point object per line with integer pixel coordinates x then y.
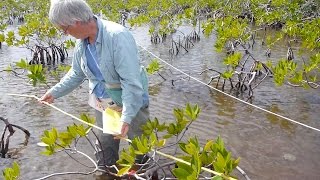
{"type": "Point", "coordinates": [107, 55]}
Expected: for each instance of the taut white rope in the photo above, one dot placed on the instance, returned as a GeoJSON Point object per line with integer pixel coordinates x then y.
{"type": "Point", "coordinates": [270, 112]}
{"type": "Point", "coordinates": [54, 107]}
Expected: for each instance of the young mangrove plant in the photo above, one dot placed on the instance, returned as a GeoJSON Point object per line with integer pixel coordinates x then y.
{"type": "Point", "coordinates": [195, 161]}
{"type": "Point", "coordinates": [191, 162]}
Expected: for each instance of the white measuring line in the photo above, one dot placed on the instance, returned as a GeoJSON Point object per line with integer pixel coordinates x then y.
{"type": "Point", "coordinates": [288, 119]}
{"type": "Point", "coordinates": [54, 107]}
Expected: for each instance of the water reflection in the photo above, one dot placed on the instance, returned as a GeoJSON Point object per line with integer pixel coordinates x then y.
{"type": "Point", "coordinates": [225, 106]}
{"type": "Point", "coordinates": [154, 90]}
{"type": "Point", "coordinates": [275, 120]}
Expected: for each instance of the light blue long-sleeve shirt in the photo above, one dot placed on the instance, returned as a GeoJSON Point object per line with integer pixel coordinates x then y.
{"type": "Point", "coordinates": [126, 80]}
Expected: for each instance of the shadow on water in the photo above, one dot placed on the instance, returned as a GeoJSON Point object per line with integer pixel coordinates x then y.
{"type": "Point", "coordinates": [275, 120]}
{"type": "Point", "coordinates": [269, 147]}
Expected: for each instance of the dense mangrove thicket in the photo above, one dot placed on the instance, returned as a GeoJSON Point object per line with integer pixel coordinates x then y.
{"type": "Point", "coordinates": [235, 23]}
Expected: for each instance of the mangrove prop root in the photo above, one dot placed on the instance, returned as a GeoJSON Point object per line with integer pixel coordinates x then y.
{"type": "Point", "coordinates": [4, 142]}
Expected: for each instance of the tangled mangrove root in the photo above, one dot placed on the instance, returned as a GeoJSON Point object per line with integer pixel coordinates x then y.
{"type": "Point", "coordinates": [185, 43]}
{"type": "Point", "coordinates": [4, 141]}
{"type": "Point", "coordinates": [51, 55]}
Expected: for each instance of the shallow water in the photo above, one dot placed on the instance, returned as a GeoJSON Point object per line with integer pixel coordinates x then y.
{"type": "Point", "coordinates": [269, 147]}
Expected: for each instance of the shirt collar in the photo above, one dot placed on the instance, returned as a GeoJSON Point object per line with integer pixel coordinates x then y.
{"type": "Point", "coordinates": [99, 26]}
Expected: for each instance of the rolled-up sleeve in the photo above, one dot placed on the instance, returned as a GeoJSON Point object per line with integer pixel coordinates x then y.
{"type": "Point", "coordinates": [70, 81]}
{"type": "Point", "coordinates": [127, 66]}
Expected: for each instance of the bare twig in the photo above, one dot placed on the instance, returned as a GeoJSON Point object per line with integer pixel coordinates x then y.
{"type": "Point", "coordinates": [68, 173]}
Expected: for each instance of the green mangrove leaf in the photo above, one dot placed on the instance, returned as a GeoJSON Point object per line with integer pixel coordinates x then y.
{"type": "Point", "coordinates": [123, 170]}
{"type": "Point", "coordinates": [180, 173]}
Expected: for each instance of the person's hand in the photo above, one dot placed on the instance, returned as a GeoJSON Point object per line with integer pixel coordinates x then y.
{"type": "Point", "coordinates": [47, 97]}
{"type": "Point", "coordinates": [124, 130]}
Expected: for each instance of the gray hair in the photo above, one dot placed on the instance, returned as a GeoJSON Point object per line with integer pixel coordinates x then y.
{"type": "Point", "coordinates": [67, 12]}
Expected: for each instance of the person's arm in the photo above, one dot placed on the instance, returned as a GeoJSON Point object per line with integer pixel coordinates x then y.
{"type": "Point", "coordinates": [69, 82]}
{"type": "Point", "coordinates": [128, 67]}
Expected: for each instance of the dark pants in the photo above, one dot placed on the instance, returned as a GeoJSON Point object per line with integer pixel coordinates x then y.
{"type": "Point", "coordinates": [107, 153]}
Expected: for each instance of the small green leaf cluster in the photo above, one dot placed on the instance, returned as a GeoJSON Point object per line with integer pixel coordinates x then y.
{"type": "Point", "coordinates": [230, 29]}
{"type": "Point", "coordinates": [12, 173]}
{"type": "Point", "coordinates": [10, 39]}
{"type": "Point", "coordinates": [69, 43]}
{"type": "Point", "coordinates": [282, 69]}
{"type": "Point", "coordinates": [54, 140]}
{"type": "Point", "coordinates": [313, 64]}
{"type": "Point", "coordinates": [213, 154]}
{"type": "Point", "coordinates": [310, 34]}
{"type": "Point", "coordinates": [153, 66]}
{"type": "Point", "coordinates": [150, 140]}
{"type": "Point", "coordinates": [182, 119]}
{"type": "Point", "coordinates": [139, 146]}
{"type": "Point", "coordinates": [192, 171]}
{"type": "Point", "coordinates": [232, 61]}
{"type": "Point", "coordinates": [287, 70]}
{"type": "Point", "coordinates": [35, 71]}
{"type": "Point", "coordinates": [153, 126]}
{"type": "Point", "coordinates": [126, 160]}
